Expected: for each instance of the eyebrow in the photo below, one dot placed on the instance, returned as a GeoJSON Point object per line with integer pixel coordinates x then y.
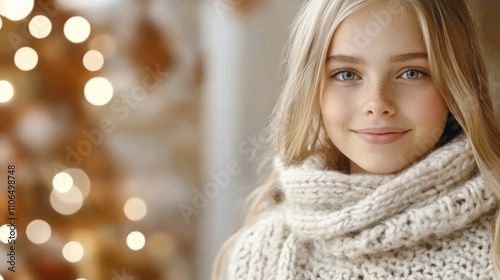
{"type": "Point", "coordinates": [359, 60]}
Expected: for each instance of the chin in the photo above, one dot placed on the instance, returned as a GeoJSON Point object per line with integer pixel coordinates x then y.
{"type": "Point", "coordinates": [381, 169]}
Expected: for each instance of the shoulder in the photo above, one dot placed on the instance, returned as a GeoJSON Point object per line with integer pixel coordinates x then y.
{"type": "Point", "coordinates": [256, 252]}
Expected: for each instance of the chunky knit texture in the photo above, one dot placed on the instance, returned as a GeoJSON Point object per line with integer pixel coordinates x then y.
{"type": "Point", "coordinates": [429, 221]}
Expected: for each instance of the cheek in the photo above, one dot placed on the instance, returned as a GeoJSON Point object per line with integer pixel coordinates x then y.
{"type": "Point", "coordinates": [430, 112]}
{"type": "Point", "coordinates": [335, 110]}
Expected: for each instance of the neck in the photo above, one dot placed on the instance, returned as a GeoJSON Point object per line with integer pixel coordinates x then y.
{"type": "Point", "coordinates": [355, 169]}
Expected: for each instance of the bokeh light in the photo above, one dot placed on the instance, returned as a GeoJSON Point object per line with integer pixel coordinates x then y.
{"type": "Point", "coordinates": [6, 91]}
{"type": "Point", "coordinates": [38, 129]}
{"type": "Point", "coordinates": [136, 240]}
{"type": "Point", "coordinates": [73, 251]}
{"type": "Point", "coordinates": [1, 23]}
{"type": "Point", "coordinates": [62, 182]}
{"type": "Point", "coordinates": [38, 231]}
{"type": "Point", "coordinates": [66, 203]}
{"type": "Point", "coordinates": [161, 244]}
{"type": "Point", "coordinates": [80, 180]}
{"type": "Point", "coordinates": [5, 234]}
{"type": "Point", "coordinates": [77, 29]}
{"type": "Point", "coordinates": [98, 91]}
{"type": "Point", "coordinates": [40, 26]}
{"type": "Point", "coordinates": [135, 209]}
{"type": "Point", "coordinates": [103, 43]}
{"type": "Point", "coordinates": [26, 58]}
{"type": "Point", "coordinates": [93, 60]}
{"type": "Point", "coordinates": [16, 9]}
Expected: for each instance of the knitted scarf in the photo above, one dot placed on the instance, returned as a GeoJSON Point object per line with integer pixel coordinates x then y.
{"type": "Point", "coordinates": [347, 217]}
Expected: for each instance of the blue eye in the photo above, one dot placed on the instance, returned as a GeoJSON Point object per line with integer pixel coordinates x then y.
{"type": "Point", "coordinates": [413, 74]}
{"type": "Point", "coordinates": [345, 76]}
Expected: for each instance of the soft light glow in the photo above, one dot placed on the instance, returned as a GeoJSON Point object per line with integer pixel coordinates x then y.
{"type": "Point", "coordinates": [93, 60]}
{"type": "Point", "coordinates": [103, 43]}
{"type": "Point", "coordinates": [88, 5]}
{"type": "Point", "coordinates": [5, 234]}
{"type": "Point", "coordinates": [66, 203]}
{"type": "Point", "coordinates": [136, 240]}
{"type": "Point", "coordinates": [1, 23]}
{"type": "Point", "coordinates": [26, 58]}
{"type": "Point", "coordinates": [6, 91]}
{"type": "Point", "coordinates": [135, 209]}
{"type": "Point", "coordinates": [98, 91]}
{"type": "Point", "coordinates": [80, 180]}
{"type": "Point", "coordinates": [77, 29]}
{"type": "Point", "coordinates": [73, 251]}
{"type": "Point", "coordinates": [40, 26]}
{"type": "Point", "coordinates": [38, 231]}
{"type": "Point", "coordinates": [62, 182]}
{"type": "Point", "coordinates": [7, 149]}
{"type": "Point", "coordinates": [161, 244]}
{"type": "Point", "coordinates": [38, 130]}
{"type": "Point", "coordinates": [16, 9]}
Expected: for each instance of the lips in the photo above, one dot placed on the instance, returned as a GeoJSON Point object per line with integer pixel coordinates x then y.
{"type": "Point", "coordinates": [380, 135]}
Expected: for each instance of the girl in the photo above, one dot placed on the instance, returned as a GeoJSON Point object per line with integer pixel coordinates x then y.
{"type": "Point", "coordinates": [387, 151]}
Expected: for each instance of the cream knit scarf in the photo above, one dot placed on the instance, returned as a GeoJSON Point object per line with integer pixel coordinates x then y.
{"type": "Point", "coordinates": [353, 215]}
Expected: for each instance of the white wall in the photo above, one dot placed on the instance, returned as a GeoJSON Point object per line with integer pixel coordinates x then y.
{"type": "Point", "coordinates": [243, 62]}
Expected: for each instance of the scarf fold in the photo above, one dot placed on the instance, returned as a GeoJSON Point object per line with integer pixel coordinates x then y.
{"type": "Point", "coordinates": [352, 215]}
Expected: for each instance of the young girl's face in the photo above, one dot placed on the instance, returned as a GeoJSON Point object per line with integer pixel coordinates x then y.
{"type": "Point", "coordinates": [380, 107]}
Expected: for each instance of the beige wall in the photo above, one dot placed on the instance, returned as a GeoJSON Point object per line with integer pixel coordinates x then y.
{"type": "Point", "coordinates": [489, 15]}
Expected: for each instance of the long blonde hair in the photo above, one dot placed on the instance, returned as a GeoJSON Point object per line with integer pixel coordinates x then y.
{"type": "Point", "coordinates": [458, 67]}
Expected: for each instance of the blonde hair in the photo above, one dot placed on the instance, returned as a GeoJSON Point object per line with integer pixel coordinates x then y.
{"type": "Point", "coordinates": [458, 67]}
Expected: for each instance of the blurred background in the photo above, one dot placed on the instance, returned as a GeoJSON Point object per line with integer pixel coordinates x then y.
{"type": "Point", "coordinates": [135, 130]}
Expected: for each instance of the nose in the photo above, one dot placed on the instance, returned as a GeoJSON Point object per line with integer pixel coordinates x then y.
{"type": "Point", "coordinates": [378, 101]}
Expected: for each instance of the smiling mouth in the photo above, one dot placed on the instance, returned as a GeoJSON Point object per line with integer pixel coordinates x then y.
{"type": "Point", "coordinates": [380, 136]}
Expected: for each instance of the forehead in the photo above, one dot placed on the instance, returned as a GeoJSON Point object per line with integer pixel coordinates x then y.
{"type": "Point", "coordinates": [383, 25]}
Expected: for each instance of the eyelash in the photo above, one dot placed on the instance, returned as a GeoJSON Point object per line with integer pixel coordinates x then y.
{"type": "Point", "coordinates": [339, 71]}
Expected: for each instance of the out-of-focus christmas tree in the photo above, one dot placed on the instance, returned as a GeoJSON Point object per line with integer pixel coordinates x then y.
{"type": "Point", "coordinates": [72, 219]}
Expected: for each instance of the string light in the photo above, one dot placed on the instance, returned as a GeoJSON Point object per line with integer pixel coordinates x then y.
{"type": "Point", "coordinates": [98, 91]}
{"type": "Point", "coordinates": [73, 251]}
{"type": "Point", "coordinates": [136, 240]}
{"type": "Point", "coordinates": [38, 231]}
{"type": "Point", "coordinates": [66, 203]}
{"type": "Point", "coordinates": [135, 209]}
{"type": "Point", "coordinates": [40, 26]}
{"type": "Point", "coordinates": [16, 10]}
{"type": "Point", "coordinates": [62, 182]}
{"type": "Point", "coordinates": [5, 233]}
{"type": "Point", "coordinates": [93, 60]}
{"type": "Point", "coordinates": [6, 91]}
{"type": "Point", "coordinates": [80, 180]}
{"type": "Point", "coordinates": [77, 29]}
{"type": "Point", "coordinates": [26, 58]}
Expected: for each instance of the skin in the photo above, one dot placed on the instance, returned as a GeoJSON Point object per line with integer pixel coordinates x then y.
{"type": "Point", "coordinates": [365, 86]}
